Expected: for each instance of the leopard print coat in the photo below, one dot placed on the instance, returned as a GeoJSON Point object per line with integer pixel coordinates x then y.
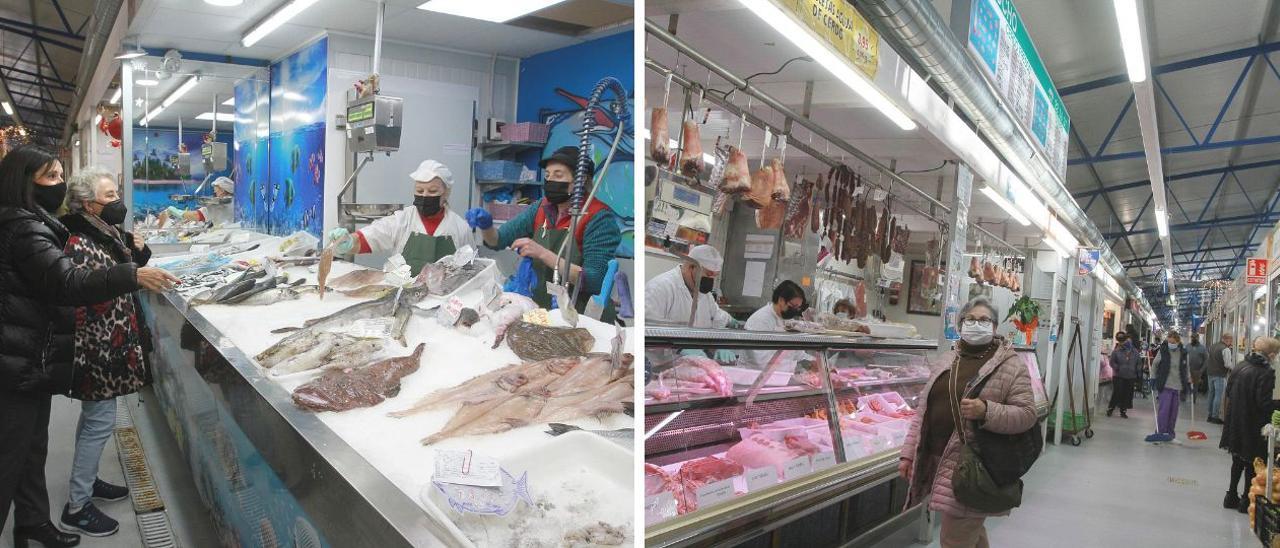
{"type": "Point", "coordinates": [108, 356]}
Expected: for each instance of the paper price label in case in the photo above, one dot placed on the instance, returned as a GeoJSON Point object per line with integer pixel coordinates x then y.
{"type": "Point", "coordinates": [796, 468]}
{"type": "Point", "coordinates": [715, 493]}
{"type": "Point", "coordinates": [659, 507]}
{"type": "Point", "coordinates": [762, 478]}
{"type": "Point", "coordinates": [823, 461]}
{"type": "Point", "coordinates": [466, 468]}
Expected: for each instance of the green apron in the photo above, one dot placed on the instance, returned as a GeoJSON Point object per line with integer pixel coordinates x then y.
{"type": "Point", "coordinates": [551, 238]}
{"type": "Point", "coordinates": [421, 250]}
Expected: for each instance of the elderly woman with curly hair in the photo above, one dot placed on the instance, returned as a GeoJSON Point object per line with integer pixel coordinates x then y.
{"type": "Point", "coordinates": [1003, 405]}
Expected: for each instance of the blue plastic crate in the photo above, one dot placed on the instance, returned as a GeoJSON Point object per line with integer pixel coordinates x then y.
{"type": "Point", "coordinates": [498, 170]}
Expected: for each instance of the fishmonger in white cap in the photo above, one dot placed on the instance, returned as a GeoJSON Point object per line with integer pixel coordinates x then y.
{"type": "Point", "coordinates": [218, 214]}
{"type": "Point", "coordinates": [669, 296]}
{"type": "Point", "coordinates": [422, 232]}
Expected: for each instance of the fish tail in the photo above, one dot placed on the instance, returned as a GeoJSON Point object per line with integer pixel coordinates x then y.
{"type": "Point", "coordinates": [522, 489]}
{"type": "Point", "coordinates": [434, 438]}
{"type": "Point", "coordinates": [558, 428]}
{"type": "Point", "coordinates": [285, 330]}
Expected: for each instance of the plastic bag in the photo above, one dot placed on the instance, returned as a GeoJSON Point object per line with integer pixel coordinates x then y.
{"type": "Point", "coordinates": [299, 243]}
{"type": "Point", "coordinates": [522, 281]}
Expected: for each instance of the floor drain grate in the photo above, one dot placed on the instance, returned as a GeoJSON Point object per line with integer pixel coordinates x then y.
{"type": "Point", "coordinates": [156, 531]}
{"type": "Point", "coordinates": [136, 473]}
{"type": "Point", "coordinates": [124, 419]}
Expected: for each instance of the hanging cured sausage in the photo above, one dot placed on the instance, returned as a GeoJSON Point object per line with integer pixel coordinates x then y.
{"type": "Point", "coordinates": [660, 142]}
{"type": "Point", "coordinates": [816, 205]}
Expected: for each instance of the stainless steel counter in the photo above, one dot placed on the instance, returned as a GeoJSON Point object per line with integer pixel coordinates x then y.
{"type": "Point", "coordinates": [271, 474]}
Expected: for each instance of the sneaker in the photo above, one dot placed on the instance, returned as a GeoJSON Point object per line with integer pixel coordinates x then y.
{"type": "Point", "coordinates": [1123, 415]}
{"type": "Point", "coordinates": [106, 491]}
{"type": "Point", "coordinates": [89, 521]}
{"type": "Point", "coordinates": [1231, 501]}
{"type": "Point", "coordinates": [1243, 507]}
{"type": "Point", "coordinates": [1112, 410]}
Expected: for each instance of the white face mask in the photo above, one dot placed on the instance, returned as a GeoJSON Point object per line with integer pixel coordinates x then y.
{"type": "Point", "coordinates": [976, 333]}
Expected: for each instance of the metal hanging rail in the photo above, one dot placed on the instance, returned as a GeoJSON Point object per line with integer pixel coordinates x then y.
{"type": "Point", "coordinates": [741, 85]}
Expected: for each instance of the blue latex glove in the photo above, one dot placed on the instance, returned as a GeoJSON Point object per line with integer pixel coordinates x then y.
{"type": "Point", "coordinates": [345, 243]}
{"type": "Point", "coordinates": [477, 217]}
{"type": "Point", "coordinates": [726, 356]}
{"type": "Point", "coordinates": [735, 324]}
{"type": "Point", "coordinates": [175, 213]}
{"type": "Point", "coordinates": [522, 281]}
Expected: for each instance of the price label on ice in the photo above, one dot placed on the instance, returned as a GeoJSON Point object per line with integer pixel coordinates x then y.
{"type": "Point", "coordinates": [659, 507]}
{"type": "Point", "coordinates": [762, 478]}
{"type": "Point", "coordinates": [796, 468]}
{"type": "Point", "coordinates": [449, 313]}
{"type": "Point", "coordinates": [823, 461]}
{"type": "Point", "coordinates": [466, 468]}
{"type": "Point", "coordinates": [715, 493]}
{"type": "Point", "coordinates": [371, 328]}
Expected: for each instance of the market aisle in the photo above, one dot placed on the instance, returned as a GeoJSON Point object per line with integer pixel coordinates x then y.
{"type": "Point", "coordinates": [1113, 489]}
{"type": "Point", "coordinates": [188, 517]}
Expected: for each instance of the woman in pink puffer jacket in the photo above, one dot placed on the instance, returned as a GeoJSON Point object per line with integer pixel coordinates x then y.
{"type": "Point", "coordinates": [1005, 405]}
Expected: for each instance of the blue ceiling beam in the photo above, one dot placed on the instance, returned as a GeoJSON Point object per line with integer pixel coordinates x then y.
{"type": "Point", "coordinates": [1241, 220]}
{"type": "Point", "coordinates": [1251, 141]}
{"type": "Point", "coordinates": [1178, 177]}
{"type": "Point", "coordinates": [211, 57]}
{"type": "Point", "coordinates": [62, 15]}
{"type": "Point", "coordinates": [1166, 68]}
{"type": "Point", "coordinates": [33, 35]}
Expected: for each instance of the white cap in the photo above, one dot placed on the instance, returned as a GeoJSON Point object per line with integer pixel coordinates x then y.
{"type": "Point", "coordinates": [430, 169]}
{"type": "Point", "coordinates": [708, 258]}
{"type": "Point", "coordinates": [225, 183]}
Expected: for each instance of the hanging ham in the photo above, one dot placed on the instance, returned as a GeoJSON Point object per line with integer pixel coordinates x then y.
{"type": "Point", "coordinates": [761, 193]}
{"type": "Point", "coordinates": [781, 189]}
{"type": "Point", "coordinates": [660, 142]}
{"type": "Point", "coordinates": [691, 156]}
{"type": "Point", "coordinates": [771, 216]}
{"type": "Point", "coordinates": [737, 174]}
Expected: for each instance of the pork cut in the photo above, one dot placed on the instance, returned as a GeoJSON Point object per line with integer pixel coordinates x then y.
{"type": "Point", "coordinates": [691, 156]}
{"type": "Point", "coordinates": [781, 189]}
{"type": "Point", "coordinates": [660, 137]}
{"type": "Point", "coordinates": [737, 174]}
{"type": "Point", "coordinates": [761, 193]}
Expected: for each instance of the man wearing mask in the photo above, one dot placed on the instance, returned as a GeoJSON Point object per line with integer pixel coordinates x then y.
{"type": "Point", "coordinates": [1197, 357]}
{"type": "Point", "coordinates": [1124, 360]}
{"type": "Point", "coordinates": [1170, 379]}
{"type": "Point", "coordinates": [1219, 365]}
{"type": "Point", "coordinates": [423, 232]}
{"type": "Point", "coordinates": [787, 304]}
{"type": "Point", "coordinates": [538, 232]}
{"type": "Point", "coordinates": [668, 297]}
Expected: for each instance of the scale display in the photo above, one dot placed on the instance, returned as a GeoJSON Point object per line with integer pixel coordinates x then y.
{"type": "Point", "coordinates": [360, 113]}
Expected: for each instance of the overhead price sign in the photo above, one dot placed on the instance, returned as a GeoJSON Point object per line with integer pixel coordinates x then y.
{"type": "Point", "coordinates": [843, 28]}
{"type": "Point", "coordinates": [1255, 271]}
{"type": "Point", "coordinates": [999, 41]}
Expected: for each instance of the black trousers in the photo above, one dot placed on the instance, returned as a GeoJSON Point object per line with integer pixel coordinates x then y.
{"type": "Point", "coordinates": [1241, 467]}
{"type": "Point", "coordinates": [24, 443]}
{"type": "Point", "coordinates": [1121, 394]}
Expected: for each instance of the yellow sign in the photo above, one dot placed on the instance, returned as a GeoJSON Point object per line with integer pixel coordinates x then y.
{"type": "Point", "coordinates": [843, 27]}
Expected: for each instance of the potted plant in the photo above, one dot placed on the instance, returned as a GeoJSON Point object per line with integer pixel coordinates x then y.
{"type": "Point", "coordinates": [1025, 315]}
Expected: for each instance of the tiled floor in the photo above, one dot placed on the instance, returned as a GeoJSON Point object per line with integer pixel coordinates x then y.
{"type": "Point", "coordinates": [1116, 490]}
{"type": "Point", "coordinates": [191, 525]}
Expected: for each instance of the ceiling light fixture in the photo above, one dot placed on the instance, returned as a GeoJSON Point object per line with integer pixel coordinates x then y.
{"type": "Point", "coordinates": [134, 53]}
{"type": "Point", "coordinates": [230, 102]}
{"type": "Point", "coordinates": [1131, 39]}
{"type": "Point", "coordinates": [182, 90]}
{"type": "Point", "coordinates": [1162, 223]}
{"type": "Point", "coordinates": [821, 53]}
{"type": "Point", "coordinates": [1006, 205]}
{"type": "Point", "coordinates": [115, 97]}
{"type": "Point", "coordinates": [273, 21]}
{"type": "Point", "coordinates": [97, 119]}
{"type": "Point", "coordinates": [496, 11]}
{"type": "Point", "coordinates": [8, 108]}
{"type": "Point", "coordinates": [222, 116]}
{"type": "Point", "coordinates": [147, 81]}
{"type": "Point", "coordinates": [224, 3]}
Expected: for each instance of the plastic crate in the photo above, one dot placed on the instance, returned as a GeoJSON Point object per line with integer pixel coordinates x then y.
{"type": "Point", "coordinates": [526, 132]}
{"type": "Point", "coordinates": [1266, 521]}
{"type": "Point", "coordinates": [505, 212]}
{"type": "Point", "coordinates": [498, 170]}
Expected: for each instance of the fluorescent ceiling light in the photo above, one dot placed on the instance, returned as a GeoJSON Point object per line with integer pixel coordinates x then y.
{"type": "Point", "coordinates": [1131, 39]}
{"type": "Point", "coordinates": [230, 102]}
{"type": "Point", "coordinates": [224, 3]}
{"type": "Point", "coordinates": [77, 142]}
{"type": "Point", "coordinates": [146, 120]}
{"type": "Point", "coordinates": [1162, 223]}
{"type": "Point", "coordinates": [182, 90]}
{"type": "Point", "coordinates": [147, 81]}
{"type": "Point", "coordinates": [8, 108]}
{"type": "Point", "coordinates": [134, 53]}
{"type": "Point", "coordinates": [222, 116]}
{"type": "Point", "coordinates": [497, 11]}
{"type": "Point", "coordinates": [822, 54]}
{"type": "Point", "coordinates": [97, 119]}
{"type": "Point", "coordinates": [115, 97]}
{"type": "Point", "coordinates": [1006, 205]}
{"type": "Point", "coordinates": [273, 21]}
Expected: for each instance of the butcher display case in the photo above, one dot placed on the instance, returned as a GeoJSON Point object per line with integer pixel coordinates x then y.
{"type": "Point", "coordinates": [765, 439]}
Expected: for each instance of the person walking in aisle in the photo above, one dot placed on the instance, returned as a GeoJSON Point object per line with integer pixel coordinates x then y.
{"type": "Point", "coordinates": [103, 342]}
{"type": "Point", "coordinates": [1197, 355]}
{"type": "Point", "coordinates": [1005, 405]}
{"type": "Point", "coordinates": [1170, 379]}
{"type": "Point", "coordinates": [1219, 364]}
{"type": "Point", "coordinates": [1124, 360]}
{"type": "Point", "coordinates": [1249, 407]}
{"type": "Point", "coordinates": [36, 277]}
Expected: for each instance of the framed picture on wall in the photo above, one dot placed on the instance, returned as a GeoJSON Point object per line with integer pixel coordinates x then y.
{"type": "Point", "coordinates": [925, 300]}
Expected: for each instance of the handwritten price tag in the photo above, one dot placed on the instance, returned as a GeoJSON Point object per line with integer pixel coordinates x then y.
{"type": "Point", "coordinates": [853, 448]}
{"type": "Point", "coordinates": [796, 468]}
{"type": "Point", "coordinates": [659, 507]}
{"type": "Point", "coordinates": [715, 493]}
{"type": "Point", "coordinates": [823, 461]}
{"type": "Point", "coordinates": [762, 478]}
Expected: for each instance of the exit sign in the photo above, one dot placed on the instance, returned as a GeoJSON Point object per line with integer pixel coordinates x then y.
{"type": "Point", "coordinates": [1255, 272]}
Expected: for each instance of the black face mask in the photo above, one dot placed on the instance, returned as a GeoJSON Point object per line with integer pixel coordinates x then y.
{"type": "Point", "coordinates": [557, 192]}
{"type": "Point", "coordinates": [789, 313]}
{"type": "Point", "coordinates": [705, 285]}
{"type": "Point", "coordinates": [114, 212]}
{"type": "Point", "coordinates": [427, 205]}
{"type": "Point", "coordinates": [50, 197]}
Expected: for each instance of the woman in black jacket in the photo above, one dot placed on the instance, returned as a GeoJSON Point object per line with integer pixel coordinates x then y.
{"type": "Point", "coordinates": [1249, 407]}
{"type": "Point", "coordinates": [36, 277]}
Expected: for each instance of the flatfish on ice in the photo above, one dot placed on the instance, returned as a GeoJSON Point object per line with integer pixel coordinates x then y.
{"type": "Point", "coordinates": [538, 342]}
{"type": "Point", "coordinates": [354, 388]}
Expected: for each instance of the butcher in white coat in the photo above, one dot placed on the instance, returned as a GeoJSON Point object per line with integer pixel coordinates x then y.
{"type": "Point", "coordinates": [668, 297]}
{"type": "Point", "coordinates": [422, 232]}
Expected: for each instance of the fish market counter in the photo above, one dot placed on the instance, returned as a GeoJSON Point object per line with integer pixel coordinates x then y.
{"type": "Point", "coordinates": [275, 474]}
{"type": "Point", "coordinates": [768, 439]}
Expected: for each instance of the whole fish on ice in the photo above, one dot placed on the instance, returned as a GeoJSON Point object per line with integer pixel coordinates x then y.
{"type": "Point", "coordinates": [514, 412]}
{"type": "Point", "coordinates": [537, 342]}
{"type": "Point", "coordinates": [619, 435]}
{"type": "Point", "coordinates": [511, 308]}
{"type": "Point", "coordinates": [357, 279]}
{"type": "Point", "coordinates": [352, 388]}
{"type": "Point", "coordinates": [497, 383]}
{"type": "Point", "coordinates": [345, 352]}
